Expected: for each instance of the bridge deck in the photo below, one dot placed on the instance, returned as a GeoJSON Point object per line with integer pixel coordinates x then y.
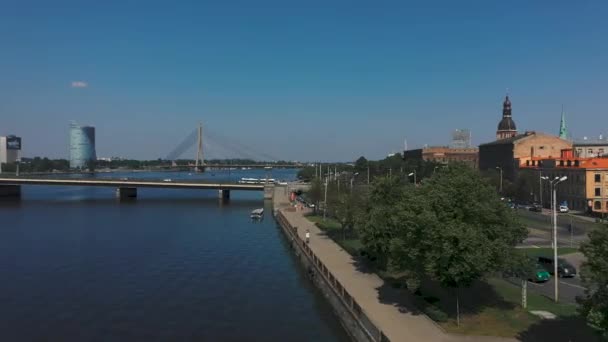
{"type": "Point", "coordinates": [131, 183]}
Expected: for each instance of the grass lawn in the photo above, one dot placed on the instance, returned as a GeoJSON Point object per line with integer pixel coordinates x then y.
{"type": "Point", "coordinates": [333, 229]}
{"type": "Point", "coordinates": [503, 315]}
{"type": "Point", "coordinates": [492, 322]}
{"type": "Point", "coordinates": [512, 294]}
{"type": "Point", "coordinates": [536, 252]}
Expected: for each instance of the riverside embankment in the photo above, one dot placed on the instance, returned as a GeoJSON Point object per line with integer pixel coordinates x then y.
{"type": "Point", "coordinates": [369, 309]}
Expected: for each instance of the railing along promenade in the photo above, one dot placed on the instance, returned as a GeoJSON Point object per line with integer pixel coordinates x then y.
{"type": "Point", "coordinates": [373, 332]}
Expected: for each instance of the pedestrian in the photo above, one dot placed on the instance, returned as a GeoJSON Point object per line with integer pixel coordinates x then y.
{"type": "Point", "coordinates": [307, 235]}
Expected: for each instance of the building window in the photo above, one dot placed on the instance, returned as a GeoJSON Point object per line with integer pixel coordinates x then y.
{"type": "Point", "coordinates": [598, 178]}
{"type": "Point", "coordinates": [600, 151]}
{"type": "Point", "coordinates": [597, 205]}
{"type": "Point", "coordinates": [598, 192]}
{"type": "Point", "coordinates": [579, 151]}
{"type": "Point", "coordinates": [590, 151]}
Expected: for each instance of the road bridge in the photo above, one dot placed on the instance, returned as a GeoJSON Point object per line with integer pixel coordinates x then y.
{"type": "Point", "coordinates": [127, 188]}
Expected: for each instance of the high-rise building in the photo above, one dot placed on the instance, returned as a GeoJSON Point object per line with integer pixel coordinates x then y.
{"type": "Point", "coordinates": [82, 146]}
{"type": "Point", "coordinates": [10, 146]}
{"type": "Point", "coordinates": [506, 126]}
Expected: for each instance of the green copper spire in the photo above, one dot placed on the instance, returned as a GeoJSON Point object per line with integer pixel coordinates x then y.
{"type": "Point", "coordinates": [563, 131]}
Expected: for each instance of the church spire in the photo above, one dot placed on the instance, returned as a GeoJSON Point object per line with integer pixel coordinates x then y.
{"type": "Point", "coordinates": [563, 131]}
{"type": "Point", "coordinates": [506, 126]}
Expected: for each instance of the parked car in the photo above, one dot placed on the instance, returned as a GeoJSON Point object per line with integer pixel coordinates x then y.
{"type": "Point", "coordinates": [564, 268]}
{"type": "Point", "coordinates": [563, 209]}
{"type": "Point", "coordinates": [539, 274]}
{"type": "Point", "coordinates": [167, 180]}
{"type": "Point", "coordinates": [536, 208]}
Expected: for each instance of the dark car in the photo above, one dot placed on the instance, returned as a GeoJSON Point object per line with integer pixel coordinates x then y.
{"type": "Point", "coordinates": [564, 268]}
{"type": "Point", "coordinates": [536, 208]}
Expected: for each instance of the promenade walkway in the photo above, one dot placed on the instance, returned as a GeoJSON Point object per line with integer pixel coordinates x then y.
{"type": "Point", "coordinates": [390, 310]}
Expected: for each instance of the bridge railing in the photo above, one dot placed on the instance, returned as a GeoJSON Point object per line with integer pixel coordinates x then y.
{"type": "Point", "coordinates": [373, 332]}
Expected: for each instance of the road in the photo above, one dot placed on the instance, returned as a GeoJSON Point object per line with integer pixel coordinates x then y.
{"type": "Point", "coordinates": [569, 288]}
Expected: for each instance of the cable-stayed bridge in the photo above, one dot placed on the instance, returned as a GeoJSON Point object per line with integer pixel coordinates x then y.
{"type": "Point", "coordinates": [210, 146]}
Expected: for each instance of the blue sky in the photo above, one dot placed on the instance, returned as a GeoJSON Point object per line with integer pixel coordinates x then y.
{"type": "Point", "coordinates": [305, 80]}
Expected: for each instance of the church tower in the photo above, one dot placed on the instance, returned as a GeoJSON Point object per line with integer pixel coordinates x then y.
{"type": "Point", "coordinates": [563, 131]}
{"type": "Point", "coordinates": [506, 126]}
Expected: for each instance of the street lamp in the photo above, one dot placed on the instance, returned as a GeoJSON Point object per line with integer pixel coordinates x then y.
{"type": "Point", "coordinates": [413, 174]}
{"type": "Point", "coordinates": [352, 179]}
{"type": "Point", "coordinates": [555, 275]}
{"type": "Point", "coordinates": [500, 169]}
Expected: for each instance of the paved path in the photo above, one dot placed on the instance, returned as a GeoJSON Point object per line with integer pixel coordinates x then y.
{"type": "Point", "coordinates": [388, 308]}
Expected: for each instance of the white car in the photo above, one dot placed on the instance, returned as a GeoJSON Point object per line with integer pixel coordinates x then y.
{"type": "Point", "coordinates": [563, 209]}
{"type": "Point", "coordinates": [167, 180]}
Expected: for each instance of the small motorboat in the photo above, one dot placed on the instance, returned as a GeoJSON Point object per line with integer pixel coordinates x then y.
{"type": "Point", "coordinates": [257, 213]}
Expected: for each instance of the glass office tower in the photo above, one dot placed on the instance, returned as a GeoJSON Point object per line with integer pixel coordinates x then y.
{"type": "Point", "coordinates": [82, 146]}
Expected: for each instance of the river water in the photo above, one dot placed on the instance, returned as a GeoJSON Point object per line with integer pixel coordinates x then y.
{"type": "Point", "coordinates": [173, 265]}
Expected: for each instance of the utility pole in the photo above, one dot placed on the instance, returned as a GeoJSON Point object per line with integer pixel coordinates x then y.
{"type": "Point", "coordinates": [368, 174]}
{"type": "Point", "coordinates": [325, 200]}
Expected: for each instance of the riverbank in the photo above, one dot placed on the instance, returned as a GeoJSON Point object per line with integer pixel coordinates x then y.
{"type": "Point", "coordinates": [388, 309]}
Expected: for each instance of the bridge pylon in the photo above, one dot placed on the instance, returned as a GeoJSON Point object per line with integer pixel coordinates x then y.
{"type": "Point", "coordinates": [200, 161]}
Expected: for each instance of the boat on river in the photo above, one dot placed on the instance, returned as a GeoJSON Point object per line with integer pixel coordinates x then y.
{"type": "Point", "coordinates": [257, 213]}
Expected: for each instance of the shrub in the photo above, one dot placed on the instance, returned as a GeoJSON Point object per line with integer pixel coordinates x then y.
{"type": "Point", "coordinates": [435, 313]}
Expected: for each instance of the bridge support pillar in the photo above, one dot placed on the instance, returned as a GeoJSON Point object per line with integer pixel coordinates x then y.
{"type": "Point", "coordinates": [10, 191]}
{"type": "Point", "coordinates": [268, 191]}
{"type": "Point", "coordinates": [126, 192]}
{"type": "Point", "coordinates": [224, 194]}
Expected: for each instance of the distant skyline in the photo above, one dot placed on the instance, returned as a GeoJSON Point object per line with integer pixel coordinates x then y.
{"type": "Point", "coordinates": [320, 80]}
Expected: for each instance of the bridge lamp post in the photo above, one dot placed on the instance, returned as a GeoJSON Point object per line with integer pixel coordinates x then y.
{"type": "Point", "coordinates": [413, 174]}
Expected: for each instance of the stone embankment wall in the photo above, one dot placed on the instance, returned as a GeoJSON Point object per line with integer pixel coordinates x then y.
{"type": "Point", "coordinates": [353, 319]}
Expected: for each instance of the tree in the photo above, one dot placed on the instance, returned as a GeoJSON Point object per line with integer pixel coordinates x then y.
{"type": "Point", "coordinates": [594, 273]}
{"type": "Point", "coordinates": [90, 165]}
{"type": "Point", "coordinates": [315, 193]}
{"type": "Point", "coordinates": [453, 229]}
{"type": "Point", "coordinates": [470, 232]}
{"type": "Point", "coordinates": [349, 203]}
{"type": "Point", "coordinates": [378, 224]}
{"type": "Point", "coordinates": [307, 173]}
{"type": "Point", "coordinates": [361, 165]}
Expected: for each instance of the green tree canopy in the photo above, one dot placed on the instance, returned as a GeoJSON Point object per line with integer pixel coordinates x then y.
{"type": "Point", "coordinates": [453, 229]}
{"type": "Point", "coordinates": [594, 273]}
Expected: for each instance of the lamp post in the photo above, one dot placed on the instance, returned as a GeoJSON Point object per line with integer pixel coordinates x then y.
{"type": "Point", "coordinates": [413, 174]}
{"type": "Point", "coordinates": [500, 169]}
{"type": "Point", "coordinates": [540, 186]}
{"type": "Point", "coordinates": [351, 180]}
{"type": "Point", "coordinates": [555, 261]}
{"type": "Point", "coordinates": [551, 183]}
{"type": "Point", "coordinates": [325, 200]}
